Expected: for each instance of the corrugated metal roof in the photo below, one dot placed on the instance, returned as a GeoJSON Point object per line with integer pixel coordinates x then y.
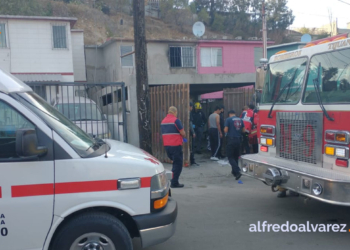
{"type": "Point", "coordinates": [10, 84]}
{"type": "Point", "coordinates": [39, 77]}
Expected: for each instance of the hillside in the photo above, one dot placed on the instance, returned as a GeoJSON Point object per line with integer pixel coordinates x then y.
{"type": "Point", "coordinates": [97, 26]}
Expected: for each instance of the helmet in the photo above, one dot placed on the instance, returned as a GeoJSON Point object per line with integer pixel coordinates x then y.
{"type": "Point", "coordinates": [197, 105]}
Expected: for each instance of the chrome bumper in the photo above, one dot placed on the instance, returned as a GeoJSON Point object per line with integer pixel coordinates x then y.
{"type": "Point", "coordinates": [335, 185]}
{"type": "Point", "coordinates": [157, 227]}
{"type": "Point", "coordinates": [156, 235]}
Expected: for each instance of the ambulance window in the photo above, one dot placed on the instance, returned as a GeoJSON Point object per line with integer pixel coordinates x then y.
{"type": "Point", "coordinates": [10, 122]}
{"type": "Point", "coordinates": [334, 82]}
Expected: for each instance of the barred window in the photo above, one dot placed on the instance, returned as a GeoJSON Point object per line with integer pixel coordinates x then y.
{"type": "Point", "coordinates": [59, 36]}
{"type": "Point", "coordinates": [181, 57]}
{"type": "Point", "coordinates": [211, 57]}
{"type": "Point", "coordinates": [127, 61]}
{"type": "Point", "coordinates": [3, 43]}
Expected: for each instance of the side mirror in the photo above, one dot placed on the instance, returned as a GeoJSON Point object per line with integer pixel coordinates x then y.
{"type": "Point", "coordinates": [27, 144]}
{"type": "Point", "coordinates": [263, 63]}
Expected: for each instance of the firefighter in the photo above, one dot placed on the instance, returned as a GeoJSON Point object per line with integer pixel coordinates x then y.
{"type": "Point", "coordinates": [199, 122]}
{"type": "Point", "coordinates": [234, 127]}
{"type": "Point", "coordinates": [192, 138]}
{"type": "Point", "coordinates": [247, 120]}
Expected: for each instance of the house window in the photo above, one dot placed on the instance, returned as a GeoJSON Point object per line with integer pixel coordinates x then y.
{"type": "Point", "coordinates": [181, 57]}
{"type": "Point", "coordinates": [211, 57]}
{"type": "Point", "coordinates": [3, 43]}
{"type": "Point", "coordinates": [127, 61]}
{"type": "Point", "coordinates": [59, 35]}
{"type": "Point", "coordinates": [258, 54]}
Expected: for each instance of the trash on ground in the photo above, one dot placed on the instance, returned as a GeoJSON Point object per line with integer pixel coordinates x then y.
{"type": "Point", "coordinates": [223, 162]}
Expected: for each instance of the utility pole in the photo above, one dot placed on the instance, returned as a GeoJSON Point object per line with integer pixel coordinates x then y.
{"type": "Point", "coordinates": [142, 88]}
{"type": "Point", "coordinates": [264, 31]}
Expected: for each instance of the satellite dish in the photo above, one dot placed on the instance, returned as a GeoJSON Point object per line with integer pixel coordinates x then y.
{"type": "Point", "coordinates": [306, 38]}
{"type": "Point", "coordinates": [198, 29]}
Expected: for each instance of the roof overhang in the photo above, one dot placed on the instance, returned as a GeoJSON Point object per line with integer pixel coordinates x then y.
{"type": "Point", "coordinates": [39, 77]}
{"type": "Point", "coordinates": [71, 20]}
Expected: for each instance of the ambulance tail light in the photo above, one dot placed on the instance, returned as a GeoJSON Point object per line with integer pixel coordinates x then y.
{"type": "Point", "coordinates": [267, 130]}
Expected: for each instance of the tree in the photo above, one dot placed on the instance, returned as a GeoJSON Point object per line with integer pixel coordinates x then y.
{"type": "Point", "coordinates": [304, 30]}
{"type": "Point", "coordinates": [25, 8]}
{"type": "Point", "coordinates": [204, 16]}
{"type": "Point", "coordinates": [176, 11]}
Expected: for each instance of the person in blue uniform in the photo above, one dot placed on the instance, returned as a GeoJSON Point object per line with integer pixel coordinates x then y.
{"type": "Point", "coordinates": [234, 127]}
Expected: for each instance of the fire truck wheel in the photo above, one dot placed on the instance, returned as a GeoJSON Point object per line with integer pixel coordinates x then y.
{"type": "Point", "coordinates": [93, 231]}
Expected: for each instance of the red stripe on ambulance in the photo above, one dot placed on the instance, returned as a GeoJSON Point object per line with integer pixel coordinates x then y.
{"type": "Point", "coordinates": [32, 190]}
{"type": "Point", "coordinates": [0, 193]}
{"type": "Point", "coordinates": [70, 187]}
{"type": "Point", "coordinates": [85, 187]}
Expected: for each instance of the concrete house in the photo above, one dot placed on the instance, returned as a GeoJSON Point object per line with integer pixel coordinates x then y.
{"type": "Point", "coordinates": [41, 49]}
{"type": "Point", "coordinates": [207, 65]}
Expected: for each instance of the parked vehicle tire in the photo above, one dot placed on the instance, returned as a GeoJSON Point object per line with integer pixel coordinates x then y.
{"type": "Point", "coordinates": [93, 231]}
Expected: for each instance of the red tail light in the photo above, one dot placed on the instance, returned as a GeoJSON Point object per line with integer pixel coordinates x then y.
{"type": "Point", "coordinates": [341, 163]}
{"type": "Point", "coordinates": [267, 130]}
{"type": "Point", "coordinates": [330, 136]}
{"type": "Point", "coordinates": [264, 149]}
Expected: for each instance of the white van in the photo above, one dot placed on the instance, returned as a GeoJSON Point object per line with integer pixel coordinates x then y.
{"type": "Point", "coordinates": [84, 113]}
{"type": "Point", "coordinates": [62, 190]}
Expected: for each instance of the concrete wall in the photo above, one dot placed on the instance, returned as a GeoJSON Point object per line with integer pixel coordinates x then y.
{"type": "Point", "coordinates": [237, 58]}
{"type": "Point", "coordinates": [95, 65]}
{"type": "Point", "coordinates": [78, 55]}
{"type": "Point", "coordinates": [32, 50]}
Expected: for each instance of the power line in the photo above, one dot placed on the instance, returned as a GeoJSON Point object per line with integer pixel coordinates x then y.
{"type": "Point", "coordinates": [344, 2]}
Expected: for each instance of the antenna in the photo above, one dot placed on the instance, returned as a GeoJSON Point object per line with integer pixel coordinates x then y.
{"type": "Point", "coordinates": [198, 29]}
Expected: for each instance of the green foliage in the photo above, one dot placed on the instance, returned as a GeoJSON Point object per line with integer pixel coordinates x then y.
{"type": "Point", "coordinates": [323, 35]}
{"type": "Point", "coordinates": [177, 12]}
{"type": "Point", "coordinates": [304, 30]}
{"type": "Point", "coordinates": [25, 7]}
{"type": "Point", "coordinates": [218, 24]}
{"type": "Point", "coordinates": [203, 16]}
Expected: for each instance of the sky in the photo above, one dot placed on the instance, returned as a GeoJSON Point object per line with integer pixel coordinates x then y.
{"type": "Point", "coordinates": [314, 13]}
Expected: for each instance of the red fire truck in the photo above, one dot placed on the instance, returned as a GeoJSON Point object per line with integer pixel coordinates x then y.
{"type": "Point", "coordinates": [304, 122]}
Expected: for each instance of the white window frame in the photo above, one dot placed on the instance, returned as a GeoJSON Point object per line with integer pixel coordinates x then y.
{"type": "Point", "coordinates": [211, 56]}
{"type": "Point", "coordinates": [182, 60]}
{"type": "Point", "coordinates": [6, 36]}
{"type": "Point", "coordinates": [67, 37]}
{"type": "Point", "coordinates": [133, 58]}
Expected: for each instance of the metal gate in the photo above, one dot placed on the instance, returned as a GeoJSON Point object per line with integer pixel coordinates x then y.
{"type": "Point", "coordinates": [97, 108]}
{"type": "Point", "coordinates": [162, 98]}
{"type": "Point", "coordinates": [237, 98]}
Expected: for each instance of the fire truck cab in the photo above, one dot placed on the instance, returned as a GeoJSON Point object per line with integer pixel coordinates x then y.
{"type": "Point", "coordinates": [61, 189]}
{"type": "Point", "coordinates": [304, 117]}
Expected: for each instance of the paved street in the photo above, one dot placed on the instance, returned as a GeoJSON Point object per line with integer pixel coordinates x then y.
{"type": "Point", "coordinates": [215, 212]}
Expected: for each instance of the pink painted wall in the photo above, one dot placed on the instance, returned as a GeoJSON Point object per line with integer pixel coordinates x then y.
{"type": "Point", "coordinates": [237, 57]}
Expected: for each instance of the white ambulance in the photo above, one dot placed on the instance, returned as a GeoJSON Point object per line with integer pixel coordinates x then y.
{"type": "Point", "coordinates": [62, 190]}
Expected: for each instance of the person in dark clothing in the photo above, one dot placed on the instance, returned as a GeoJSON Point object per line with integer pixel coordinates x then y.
{"type": "Point", "coordinates": [173, 135]}
{"type": "Point", "coordinates": [192, 138]}
{"type": "Point", "coordinates": [234, 127]}
{"type": "Point", "coordinates": [222, 126]}
{"type": "Point", "coordinates": [199, 121]}
{"type": "Point", "coordinates": [215, 133]}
